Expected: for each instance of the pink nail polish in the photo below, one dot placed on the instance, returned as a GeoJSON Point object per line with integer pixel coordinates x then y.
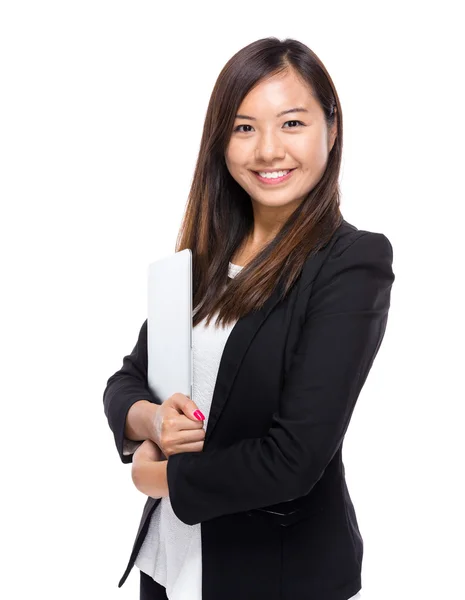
{"type": "Point", "coordinates": [198, 415]}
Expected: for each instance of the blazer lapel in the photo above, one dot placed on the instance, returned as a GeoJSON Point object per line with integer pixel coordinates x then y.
{"type": "Point", "coordinates": [243, 333]}
{"type": "Point", "coordinates": [234, 351]}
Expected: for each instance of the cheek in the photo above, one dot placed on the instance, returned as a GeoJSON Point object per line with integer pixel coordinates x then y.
{"type": "Point", "coordinates": [232, 154]}
{"type": "Point", "coordinates": [235, 159]}
{"type": "Point", "coordinates": [231, 160]}
{"type": "Point", "coordinates": [313, 158]}
{"type": "Point", "coordinates": [312, 149]}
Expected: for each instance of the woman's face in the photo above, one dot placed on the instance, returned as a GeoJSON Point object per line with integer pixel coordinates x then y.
{"type": "Point", "coordinates": [264, 140]}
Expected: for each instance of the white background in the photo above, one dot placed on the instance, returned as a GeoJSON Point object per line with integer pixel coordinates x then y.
{"type": "Point", "coordinates": [102, 108]}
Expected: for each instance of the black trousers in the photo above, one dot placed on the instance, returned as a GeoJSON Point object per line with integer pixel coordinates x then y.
{"type": "Point", "coordinates": [150, 589]}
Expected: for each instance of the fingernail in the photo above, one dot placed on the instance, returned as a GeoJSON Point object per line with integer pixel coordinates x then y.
{"type": "Point", "coordinates": [198, 415]}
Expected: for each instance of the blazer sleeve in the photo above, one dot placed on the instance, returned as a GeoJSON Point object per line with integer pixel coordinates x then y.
{"type": "Point", "coordinates": [123, 389]}
{"type": "Point", "coordinates": [343, 329]}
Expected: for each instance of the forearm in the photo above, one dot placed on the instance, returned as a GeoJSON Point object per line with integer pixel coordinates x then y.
{"type": "Point", "coordinates": [150, 478]}
{"type": "Point", "coordinates": [139, 419]}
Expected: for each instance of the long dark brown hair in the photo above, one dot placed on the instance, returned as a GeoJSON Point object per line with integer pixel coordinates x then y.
{"type": "Point", "coordinates": [219, 216]}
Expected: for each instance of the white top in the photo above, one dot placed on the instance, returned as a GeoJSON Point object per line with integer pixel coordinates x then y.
{"type": "Point", "coordinates": [171, 552]}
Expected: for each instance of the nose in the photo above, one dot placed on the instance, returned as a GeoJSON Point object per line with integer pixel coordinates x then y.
{"type": "Point", "coordinates": [269, 147]}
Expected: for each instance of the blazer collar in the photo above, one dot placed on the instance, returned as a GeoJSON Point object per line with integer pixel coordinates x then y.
{"type": "Point", "coordinates": [234, 351]}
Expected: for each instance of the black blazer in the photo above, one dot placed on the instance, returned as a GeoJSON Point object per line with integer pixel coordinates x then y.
{"type": "Point", "coordinates": [269, 489]}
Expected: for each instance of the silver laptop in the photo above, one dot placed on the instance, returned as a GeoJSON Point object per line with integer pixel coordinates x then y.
{"type": "Point", "coordinates": [169, 325]}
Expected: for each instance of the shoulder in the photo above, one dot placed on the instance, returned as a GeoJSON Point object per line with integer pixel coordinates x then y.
{"type": "Point", "coordinates": [348, 246]}
{"type": "Point", "coordinates": [351, 240]}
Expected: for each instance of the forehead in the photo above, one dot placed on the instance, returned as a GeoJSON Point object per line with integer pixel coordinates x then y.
{"type": "Point", "coordinates": [276, 93]}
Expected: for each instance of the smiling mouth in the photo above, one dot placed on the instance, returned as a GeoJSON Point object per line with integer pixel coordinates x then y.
{"type": "Point", "coordinates": [275, 170]}
{"type": "Point", "coordinates": [273, 180]}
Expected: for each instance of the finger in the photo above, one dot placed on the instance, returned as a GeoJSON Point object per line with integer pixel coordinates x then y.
{"type": "Point", "coordinates": [183, 437]}
{"type": "Point", "coordinates": [188, 407]}
{"type": "Point", "coordinates": [192, 447]}
{"type": "Point", "coordinates": [174, 420]}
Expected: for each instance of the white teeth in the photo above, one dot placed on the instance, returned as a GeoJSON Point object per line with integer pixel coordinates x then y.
{"type": "Point", "coordinates": [274, 174]}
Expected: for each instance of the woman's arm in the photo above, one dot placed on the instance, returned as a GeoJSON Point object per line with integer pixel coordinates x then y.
{"type": "Point", "coordinates": [139, 425]}
{"type": "Point", "coordinates": [139, 420]}
{"type": "Point", "coordinates": [149, 470]}
{"type": "Point", "coordinates": [150, 478]}
{"type": "Point", "coordinates": [127, 391]}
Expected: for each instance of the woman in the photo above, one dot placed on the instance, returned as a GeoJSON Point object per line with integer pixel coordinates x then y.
{"type": "Point", "coordinates": [290, 308]}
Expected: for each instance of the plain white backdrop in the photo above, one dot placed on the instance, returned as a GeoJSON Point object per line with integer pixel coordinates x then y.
{"type": "Point", "coordinates": [101, 111]}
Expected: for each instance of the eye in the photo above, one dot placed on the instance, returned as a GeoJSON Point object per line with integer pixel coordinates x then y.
{"type": "Point", "coordinates": [300, 123]}
{"type": "Point", "coordinates": [293, 121]}
{"type": "Point", "coordinates": [237, 128]}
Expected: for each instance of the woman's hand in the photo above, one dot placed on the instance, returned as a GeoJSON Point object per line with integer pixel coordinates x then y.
{"type": "Point", "coordinates": [149, 470]}
{"type": "Point", "coordinates": [147, 451]}
{"type": "Point", "coordinates": [177, 426]}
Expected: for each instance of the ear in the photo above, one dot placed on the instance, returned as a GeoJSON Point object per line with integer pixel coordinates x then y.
{"type": "Point", "coordinates": [332, 134]}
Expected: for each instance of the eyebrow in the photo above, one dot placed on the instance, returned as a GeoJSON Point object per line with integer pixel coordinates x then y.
{"type": "Point", "coordinates": [283, 112]}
